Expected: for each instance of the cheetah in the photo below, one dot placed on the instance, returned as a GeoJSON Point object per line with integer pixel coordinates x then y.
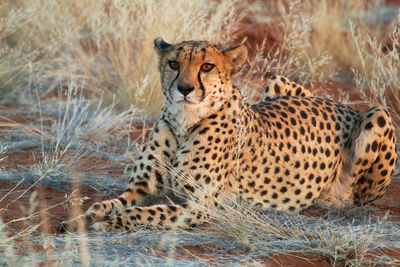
{"type": "Point", "coordinates": [284, 153]}
{"type": "Point", "coordinates": [281, 86]}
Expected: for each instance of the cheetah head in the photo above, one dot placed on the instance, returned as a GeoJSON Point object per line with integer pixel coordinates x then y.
{"type": "Point", "coordinates": [196, 77]}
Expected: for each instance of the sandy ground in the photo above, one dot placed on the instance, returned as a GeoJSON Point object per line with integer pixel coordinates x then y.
{"type": "Point", "coordinates": [102, 176]}
{"type": "Point", "coordinates": [19, 200]}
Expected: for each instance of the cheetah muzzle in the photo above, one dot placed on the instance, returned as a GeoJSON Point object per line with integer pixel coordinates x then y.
{"type": "Point", "coordinates": [284, 153]}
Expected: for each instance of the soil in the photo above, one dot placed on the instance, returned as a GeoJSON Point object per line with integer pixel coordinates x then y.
{"type": "Point", "coordinates": [19, 200]}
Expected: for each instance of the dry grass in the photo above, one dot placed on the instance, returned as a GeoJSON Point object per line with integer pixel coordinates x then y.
{"type": "Point", "coordinates": [100, 49]}
{"type": "Point", "coordinates": [100, 55]}
{"type": "Point", "coordinates": [378, 77]}
{"type": "Point", "coordinates": [107, 45]}
{"type": "Point", "coordinates": [314, 40]}
{"type": "Point", "coordinates": [332, 41]}
{"type": "Point", "coordinates": [342, 237]}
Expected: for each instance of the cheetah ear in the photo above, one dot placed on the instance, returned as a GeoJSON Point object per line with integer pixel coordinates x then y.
{"type": "Point", "coordinates": [162, 46]}
{"type": "Point", "coordinates": [236, 56]}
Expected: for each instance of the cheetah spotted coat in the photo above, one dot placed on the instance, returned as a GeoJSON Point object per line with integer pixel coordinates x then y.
{"type": "Point", "coordinates": [284, 153]}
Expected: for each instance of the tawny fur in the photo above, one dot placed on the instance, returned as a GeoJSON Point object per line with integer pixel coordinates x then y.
{"type": "Point", "coordinates": [284, 153]}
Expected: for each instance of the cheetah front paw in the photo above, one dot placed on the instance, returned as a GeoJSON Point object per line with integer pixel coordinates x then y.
{"type": "Point", "coordinates": [71, 226]}
{"type": "Point", "coordinates": [78, 224]}
{"type": "Point", "coordinates": [99, 227]}
{"type": "Point", "coordinates": [107, 226]}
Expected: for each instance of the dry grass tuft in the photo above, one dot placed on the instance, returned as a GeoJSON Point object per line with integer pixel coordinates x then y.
{"type": "Point", "coordinates": [314, 42]}
{"type": "Point", "coordinates": [347, 42]}
{"type": "Point", "coordinates": [108, 45]}
{"type": "Point", "coordinates": [339, 240]}
{"type": "Point", "coordinates": [378, 76]}
{"type": "Point", "coordinates": [99, 55]}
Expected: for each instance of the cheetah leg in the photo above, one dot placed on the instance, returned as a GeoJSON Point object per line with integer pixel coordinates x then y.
{"type": "Point", "coordinates": [373, 155]}
{"type": "Point", "coordinates": [368, 162]}
{"type": "Point", "coordinates": [161, 216]}
{"type": "Point", "coordinates": [150, 178]}
{"type": "Point", "coordinates": [190, 214]}
{"type": "Point", "coordinates": [193, 213]}
{"type": "Point", "coordinates": [99, 210]}
{"type": "Point", "coordinates": [281, 86]}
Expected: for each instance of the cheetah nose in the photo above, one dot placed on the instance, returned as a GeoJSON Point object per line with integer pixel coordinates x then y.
{"type": "Point", "coordinates": [185, 88]}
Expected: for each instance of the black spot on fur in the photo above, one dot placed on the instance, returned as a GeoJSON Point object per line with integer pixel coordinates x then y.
{"type": "Point", "coordinates": [381, 122]}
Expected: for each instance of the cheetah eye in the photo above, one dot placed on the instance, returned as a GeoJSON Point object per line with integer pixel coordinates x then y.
{"type": "Point", "coordinates": [207, 67]}
{"type": "Point", "coordinates": [173, 65]}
